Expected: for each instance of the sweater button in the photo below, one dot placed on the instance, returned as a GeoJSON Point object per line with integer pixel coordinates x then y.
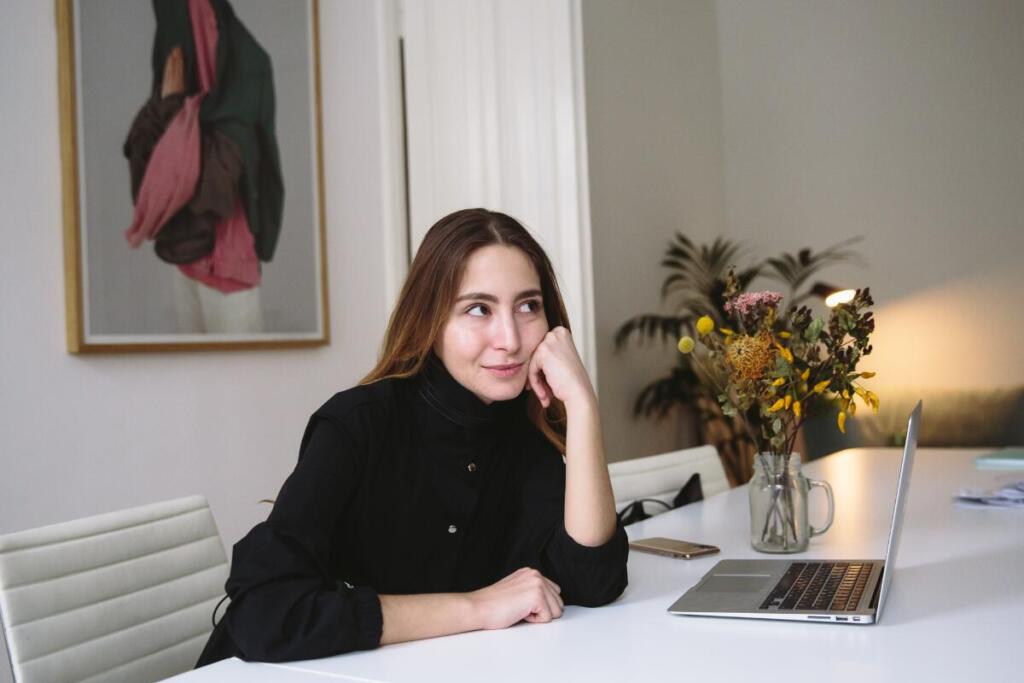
{"type": "Point", "coordinates": [452, 529]}
{"type": "Point", "coordinates": [471, 467]}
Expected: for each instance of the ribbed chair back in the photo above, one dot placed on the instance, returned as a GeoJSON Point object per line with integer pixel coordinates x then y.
{"type": "Point", "coordinates": [661, 476]}
{"type": "Point", "coordinates": [124, 596]}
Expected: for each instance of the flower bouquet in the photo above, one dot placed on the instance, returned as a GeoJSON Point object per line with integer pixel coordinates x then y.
{"type": "Point", "coordinates": [766, 370]}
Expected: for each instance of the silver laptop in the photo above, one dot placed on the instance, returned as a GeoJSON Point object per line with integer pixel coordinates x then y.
{"type": "Point", "coordinates": [833, 591]}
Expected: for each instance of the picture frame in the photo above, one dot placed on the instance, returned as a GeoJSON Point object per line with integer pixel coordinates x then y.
{"type": "Point", "coordinates": [192, 175]}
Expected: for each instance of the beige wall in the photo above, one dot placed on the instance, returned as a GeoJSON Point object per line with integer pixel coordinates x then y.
{"type": "Point", "coordinates": [789, 123]}
{"type": "Point", "coordinates": [87, 434]}
{"type": "Point", "coordinates": [903, 122]}
{"type": "Point", "coordinates": [655, 163]}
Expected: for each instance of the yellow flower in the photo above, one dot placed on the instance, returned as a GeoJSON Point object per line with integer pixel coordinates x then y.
{"type": "Point", "coordinates": [786, 353]}
{"type": "Point", "coordinates": [846, 394]}
{"type": "Point", "coordinates": [789, 400]}
{"type": "Point", "coordinates": [867, 375]}
{"type": "Point", "coordinates": [852, 409]}
{"type": "Point", "coordinates": [796, 408]}
{"type": "Point", "coordinates": [686, 345]}
{"type": "Point", "coordinates": [860, 392]}
{"type": "Point", "coordinates": [779, 381]}
{"type": "Point", "coordinates": [726, 331]}
{"type": "Point", "coordinates": [785, 335]}
{"type": "Point", "coordinates": [705, 324]}
{"type": "Point", "coordinates": [873, 400]}
{"type": "Point", "coordinates": [777, 406]}
{"type": "Point", "coordinates": [822, 386]}
{"type": "Point", "coordinates": [841, 421]}
{"type": "Point", "coordinates": [805, 374]}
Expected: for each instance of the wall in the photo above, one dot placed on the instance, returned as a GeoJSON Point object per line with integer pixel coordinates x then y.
{"type": "Point", "coordinates": [655, 164]}
{"type": "Point", "coordinates": [901, 122]}
{"type": "Point", "coordinates": [788, 123]}
{"type": "Point", "coordinates": [80, 435]}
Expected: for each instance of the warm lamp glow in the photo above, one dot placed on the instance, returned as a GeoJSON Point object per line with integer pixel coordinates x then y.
{"type": "Point", "coordinates": [843, 296]}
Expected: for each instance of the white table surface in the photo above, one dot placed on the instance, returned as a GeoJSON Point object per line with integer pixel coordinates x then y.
{"type": "Point", "coordinates": [955, 611]}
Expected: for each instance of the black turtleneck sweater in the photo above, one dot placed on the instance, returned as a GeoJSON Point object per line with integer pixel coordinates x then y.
{"type": "Point", "coordinates": [402, 487]}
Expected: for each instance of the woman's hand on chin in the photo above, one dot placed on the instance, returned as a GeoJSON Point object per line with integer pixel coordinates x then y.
{"type": "Point", "coordinates": [556, 371]}
{"type": "Point", "coordinates": [524, 595]}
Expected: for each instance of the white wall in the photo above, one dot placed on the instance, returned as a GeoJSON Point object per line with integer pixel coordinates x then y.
{"type": "Point", "coordinates": [790, 123]}
{"type": "Point", "coordinates": [88, 434]}
{"type": "Point", "coordinates": [902, 122]}
{"type": "Point", "coordinates": [655, 163]}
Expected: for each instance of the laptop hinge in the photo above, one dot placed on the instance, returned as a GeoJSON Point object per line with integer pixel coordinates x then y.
{"type": "Point", "coordinates": [878, 589]}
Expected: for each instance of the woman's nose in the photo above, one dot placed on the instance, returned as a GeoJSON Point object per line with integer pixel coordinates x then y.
{"type": "Point", "coordinates": [506, 334]}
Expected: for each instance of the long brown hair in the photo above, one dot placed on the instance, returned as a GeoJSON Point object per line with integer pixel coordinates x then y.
{"type": "Point", "coordinates": [431, 286]}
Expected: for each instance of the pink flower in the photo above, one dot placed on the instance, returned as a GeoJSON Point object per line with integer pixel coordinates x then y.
{"type": "Point", "coordinates": [752, 302]}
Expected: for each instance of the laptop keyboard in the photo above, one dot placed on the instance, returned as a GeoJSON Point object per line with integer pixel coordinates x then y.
{"type": "Point", "coordinates": [834, 586]}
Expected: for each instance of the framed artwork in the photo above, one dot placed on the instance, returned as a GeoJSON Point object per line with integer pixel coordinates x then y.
{"type": "Point", "coordinates": [192, 174]}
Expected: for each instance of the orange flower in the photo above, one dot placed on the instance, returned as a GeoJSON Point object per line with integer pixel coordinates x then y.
{"type": "Point", "coordinates": [751, 357]}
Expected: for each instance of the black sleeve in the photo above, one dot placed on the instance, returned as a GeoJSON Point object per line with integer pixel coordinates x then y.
{"type": "Point", "coordinates": [285, 603]}
{"type": "Point", "coordinates": [588, 575]}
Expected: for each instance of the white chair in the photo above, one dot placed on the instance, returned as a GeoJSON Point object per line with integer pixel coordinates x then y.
{"type": "Point", "coordinates": [124, 596]}
{"type": "Point", "coordinates": [661, 476]}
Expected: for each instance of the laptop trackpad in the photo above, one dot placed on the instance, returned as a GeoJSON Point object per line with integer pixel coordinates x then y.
{"type": "Point", "coordinates": [719, 583]}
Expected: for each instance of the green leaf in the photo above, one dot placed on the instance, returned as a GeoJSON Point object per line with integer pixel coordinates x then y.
{"type": "Point", "coordinates": [777, 425]}
{"type": "Point", "coordinates": [813, 330]}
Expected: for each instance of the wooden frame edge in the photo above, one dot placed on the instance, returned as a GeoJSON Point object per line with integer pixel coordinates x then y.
{"type": "Point", "coordinates": [321, 188]}
{"type": "Point", "coordinates": [74, 323]}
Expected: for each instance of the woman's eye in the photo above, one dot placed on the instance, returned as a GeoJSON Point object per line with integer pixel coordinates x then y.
{"type": "Point", "coordinates": [477, 310]}
{"type": "Point", "coordinates": [531, 306]}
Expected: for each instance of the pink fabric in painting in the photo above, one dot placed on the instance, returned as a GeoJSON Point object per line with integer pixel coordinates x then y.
{"type": "Point", "coordinates": [232, 266]}
{"type": "Point", "coordinates": [173, 171]}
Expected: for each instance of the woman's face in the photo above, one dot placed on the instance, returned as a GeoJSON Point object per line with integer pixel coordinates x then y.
{"type": "Point", "coordinates": [494, 325]}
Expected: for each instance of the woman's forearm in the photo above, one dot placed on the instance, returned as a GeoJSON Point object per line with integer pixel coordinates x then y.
{"type": "Point", "coordinates": [525, 594]}
{"type": "Point", "coordinates": [589, 501]}
{"type": "Point", "coordinates": [414, 617]}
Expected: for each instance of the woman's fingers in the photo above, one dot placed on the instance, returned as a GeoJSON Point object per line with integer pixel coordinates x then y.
{"type": "Point", "coordinates": [554, 602]}
{"type": "Point", "coordinates": [556, 370]}
{"type": "Point", "coordinates": [523, 595]}
{"type": "Point", "coordinates": [536, 379]}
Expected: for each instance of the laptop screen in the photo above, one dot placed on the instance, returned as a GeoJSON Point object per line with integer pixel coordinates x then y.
{"type": "Point", "coordinates": [901, 502]}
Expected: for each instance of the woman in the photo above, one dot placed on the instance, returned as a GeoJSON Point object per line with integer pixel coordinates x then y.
{"type": "Point", "coordinates": [433, 498]}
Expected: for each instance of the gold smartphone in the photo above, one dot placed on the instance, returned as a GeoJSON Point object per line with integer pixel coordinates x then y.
{"type": "Point", "coordinates": [670, 547]}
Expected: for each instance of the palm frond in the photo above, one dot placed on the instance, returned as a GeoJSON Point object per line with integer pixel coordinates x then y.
{"type": "Point", "coordinates": [653, 326]}
{"type": "Point", "coordinates": [680, 387]}
{"type": "Point", "coordinates": [697, 269]}
{"type": "Point", "coordinates": [796, 269]}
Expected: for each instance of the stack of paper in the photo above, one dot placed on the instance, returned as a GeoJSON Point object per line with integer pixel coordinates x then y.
{"type": "Point", "coordinates": [1011, 495]}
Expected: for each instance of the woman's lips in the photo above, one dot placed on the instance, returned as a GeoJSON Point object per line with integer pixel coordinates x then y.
{"type": "Point", "coordinates": [504, 370]}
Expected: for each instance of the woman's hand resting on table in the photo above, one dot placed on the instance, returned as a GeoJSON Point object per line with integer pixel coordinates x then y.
{"type": "Point", "coordinates": [523, 595]}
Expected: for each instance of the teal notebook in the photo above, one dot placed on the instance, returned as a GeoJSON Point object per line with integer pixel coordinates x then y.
{"type": "Point", "coordinates": [1006, 459]}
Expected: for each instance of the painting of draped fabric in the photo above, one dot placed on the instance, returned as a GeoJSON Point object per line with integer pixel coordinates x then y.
{"type": "Point", "coordinates": [192, 174]}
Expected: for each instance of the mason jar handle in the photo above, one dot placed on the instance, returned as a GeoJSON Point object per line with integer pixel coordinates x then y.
{"type": "Point", "coordinates": [831, 506]}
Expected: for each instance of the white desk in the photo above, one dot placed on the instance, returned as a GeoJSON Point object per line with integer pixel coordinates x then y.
{"type": "Point", "coordinates": [237, 671]}
{"type": "Point", "coordinates": [974, 558]}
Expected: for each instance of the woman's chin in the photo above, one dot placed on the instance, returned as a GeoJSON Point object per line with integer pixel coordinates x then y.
{"type": "Point", "coordinates": [504, 391]}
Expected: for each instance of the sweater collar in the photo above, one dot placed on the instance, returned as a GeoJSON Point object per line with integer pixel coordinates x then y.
{"type": "Point", "coordinates": [457, 403]}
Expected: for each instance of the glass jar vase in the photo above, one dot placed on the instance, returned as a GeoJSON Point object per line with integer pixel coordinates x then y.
{"type": "Point", "coordinates": [778, 504]}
